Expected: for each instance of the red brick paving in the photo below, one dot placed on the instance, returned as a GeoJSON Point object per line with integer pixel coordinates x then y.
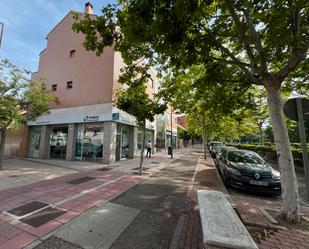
{"type": "Point", "coordinates": [51, 191]}
{"type": "Point", "coordinates": [206, 178]}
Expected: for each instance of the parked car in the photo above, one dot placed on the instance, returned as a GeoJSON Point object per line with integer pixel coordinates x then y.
{"type": "Point", "coordinates": [246, 170]}
{"type": "Point", "coordinates": [214, 147]}
{"type": "Point", "coordinates": [222, 150]}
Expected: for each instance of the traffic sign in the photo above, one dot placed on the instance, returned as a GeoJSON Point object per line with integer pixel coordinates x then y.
{"type": "Point", "coordinates": [290, 109]}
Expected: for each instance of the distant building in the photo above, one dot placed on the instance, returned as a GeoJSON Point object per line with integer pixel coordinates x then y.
{"type": "Point", "coordinates": [84, 125]}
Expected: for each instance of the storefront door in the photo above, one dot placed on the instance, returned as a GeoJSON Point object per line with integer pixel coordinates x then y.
{"type": "Point", "coordinates": [34, 142]}
{"type": "Point", "coordinates": [89, 142]}
{"type": "Point", "coordinates": [58, 142]}
{"type": "Point", "coordinates": [122, 143]}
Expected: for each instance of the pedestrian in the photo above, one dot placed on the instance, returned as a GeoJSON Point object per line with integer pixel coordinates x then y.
{"type": "Point", "coordinates": [148, 146]}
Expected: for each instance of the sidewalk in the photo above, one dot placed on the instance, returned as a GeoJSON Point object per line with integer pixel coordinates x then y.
{"type": "Point", "coordinates": [22, 171]}
{"type": "Point", "coordinates": [30, 211]}
{"type": "Point", "coordinates": [249, 208]}
{"type": "Point", "coordinates": [108, 206]}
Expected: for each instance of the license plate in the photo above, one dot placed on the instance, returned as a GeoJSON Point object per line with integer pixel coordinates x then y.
{"type": "Point", "coordinates": [260, 183]}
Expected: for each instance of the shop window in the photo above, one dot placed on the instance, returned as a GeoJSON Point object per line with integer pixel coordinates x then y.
{"type": "Point", "coordinates": [34, 142]}
{"type": "Point", "coordinates": [54, 87]}
{"type": "Point", "coordinates": [69, 84]}
{"type": "Point", "coordinates": [89, 142]}
{"type": "Point", "coordinates": [72, 53]}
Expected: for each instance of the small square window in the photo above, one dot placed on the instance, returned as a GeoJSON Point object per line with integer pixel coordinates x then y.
{"type": "Point", "coordinates": [54, 87]}
{"type": "Point", "coordinates": [72, 53]}
{"type": "Point", "coordinates": [70, 84]}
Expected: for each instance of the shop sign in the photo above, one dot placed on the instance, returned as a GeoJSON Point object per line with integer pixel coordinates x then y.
{"type": "Point", "coordinates": [115, 116]}
{"type": "Point", "coordinates": [91, 118]}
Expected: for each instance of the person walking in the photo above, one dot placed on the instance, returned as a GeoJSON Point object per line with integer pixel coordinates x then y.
{"type": "Point", "coordinates": [148, 146]}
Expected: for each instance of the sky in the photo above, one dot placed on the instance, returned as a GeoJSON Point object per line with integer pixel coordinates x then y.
{"type": "Point", "coordinates": [27, 23]}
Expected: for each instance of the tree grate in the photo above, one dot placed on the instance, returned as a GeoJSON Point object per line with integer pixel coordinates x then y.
{"type": "Point", "coordinates": [155, 162]}
{"type": "Point", "coordinates": [104, 169]}
{"type": "Point", "coordinates": [42, 217]}
{"type": "Point", "coordinates": [144, 168]}
{"type": "Point", "coordinates": [81, 180]}
{"type": "Point", "coordinates": [13, 176]}
{"type": "Point", "coordinates": [27, 208]}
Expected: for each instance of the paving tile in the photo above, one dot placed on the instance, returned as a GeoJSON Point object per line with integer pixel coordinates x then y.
{"type": "Point", "coordinates": [19, 241]}
{"type": "Point", "coordinates": [70, 204]}
{"type": "Point", "coordinates": [41, 230]}
{"type": "Point", "coordinates": [82, 207]}
{"type": "Point", "coordinates": [6, 218]}
{"type": "Point", "coordinates": [49, 198]}
{"type": "Point", "coordinates": [69, 215]}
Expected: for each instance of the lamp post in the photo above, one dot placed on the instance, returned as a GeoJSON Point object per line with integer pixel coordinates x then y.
{"type": "Point", "coordinates": [171, 132]}
{"type": "Point", "coordinates": [1, 31]}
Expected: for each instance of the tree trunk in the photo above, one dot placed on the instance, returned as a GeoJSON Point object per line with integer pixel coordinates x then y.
{"type": "Point", "coordinates": [261, 134]}
{"type": "Point", "coordinates": [238, 132]}
{"type": "Point", "coordinates": [142, 150]}
{"type": "Point", "coordinates": [2, 142]}
{"type": "Point", "coordinates": [290, 206]}
{"type": "Point", "coordinates": [204, 136]}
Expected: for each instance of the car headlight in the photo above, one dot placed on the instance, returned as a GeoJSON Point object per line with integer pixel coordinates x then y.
{"type": "Point", "coordinates": [233, 171]}
{"type": "Point", "coordinates": [275, 175]}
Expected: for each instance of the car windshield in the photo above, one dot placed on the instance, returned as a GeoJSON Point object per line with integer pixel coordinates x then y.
{"type": "Point", "coordinates": [245, 157]}
{"type": "Point", "coordinates": [216, 146]}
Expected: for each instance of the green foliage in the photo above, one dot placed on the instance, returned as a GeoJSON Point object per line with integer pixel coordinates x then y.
{"type": "Point", "coordinates": [269, 152]}
{"type": "Point", "coordinates": [101, 32]}
{"type": "Point", "coordinates": [20, 98]}
{"type": "Point", "coordinates": [135, 101]}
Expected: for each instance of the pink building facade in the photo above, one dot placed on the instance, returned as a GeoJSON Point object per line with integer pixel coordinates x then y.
{"type": "Point", "coordinates": [84, 124]}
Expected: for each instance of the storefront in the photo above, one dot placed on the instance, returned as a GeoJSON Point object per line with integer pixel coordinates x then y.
{"type": "Point", "coordinates": [102, 136]}
{"type": "Point", "coordinates": [89, 141]}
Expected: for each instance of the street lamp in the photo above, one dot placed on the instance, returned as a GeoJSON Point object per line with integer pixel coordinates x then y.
{"type": "Point", "coordinates": [178, 114]}
{"type": "Point", "coordinates": [171, 132]}
{"type": "Point", "coordinates": [1, 31]}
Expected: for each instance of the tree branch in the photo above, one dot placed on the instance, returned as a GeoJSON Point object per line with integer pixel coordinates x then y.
{"type": "Point", "coordinates": [257, 40]}
{"type": "Point", "coordinates": [295, 59]}
{"type": "Point", "coordinates": [242, 35]}
{"type": "Point", "coordinates": [242, 65]}
{"type": "Point", "coordinates": [233, 62]}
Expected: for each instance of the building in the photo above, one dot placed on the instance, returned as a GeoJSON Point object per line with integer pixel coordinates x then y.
{"type": "Point", "coordinates": [84, 125]}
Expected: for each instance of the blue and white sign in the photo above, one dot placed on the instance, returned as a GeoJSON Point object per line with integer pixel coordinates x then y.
{"type": "Point", "coordinates": [90, 118]}
{"type": "Point", "coordinates": [115, 116]}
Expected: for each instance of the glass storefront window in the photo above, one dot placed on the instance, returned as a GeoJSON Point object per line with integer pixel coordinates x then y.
{"type": "Point", "coordinates": [34, 142]}
{"type": "Point", "coordinates": [89, 142]}
{"type": "Point", "coordinates": [58, 142]}
{"type": "Point", "coordinates": [122, 142]}
{"type": "Point", "coordinates": [148, 137]}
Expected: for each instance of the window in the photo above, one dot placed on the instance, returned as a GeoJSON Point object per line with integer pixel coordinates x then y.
{"type": "Point", "coordinates": [54, 87]}
{"type": "Point", "coordinates": [69, 84]}
{"type": "Point", "coordinates": [72, 53]}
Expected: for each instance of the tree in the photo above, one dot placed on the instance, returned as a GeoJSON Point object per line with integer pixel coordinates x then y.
{"type": "Point", "coordinates": [135, 100]}
{"type": "Point", "coordinates": [248, 34]}
{"type": "Point", "coordinates": [204, 92]}
{"type": "Point", "coordinates": [20, 99]}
